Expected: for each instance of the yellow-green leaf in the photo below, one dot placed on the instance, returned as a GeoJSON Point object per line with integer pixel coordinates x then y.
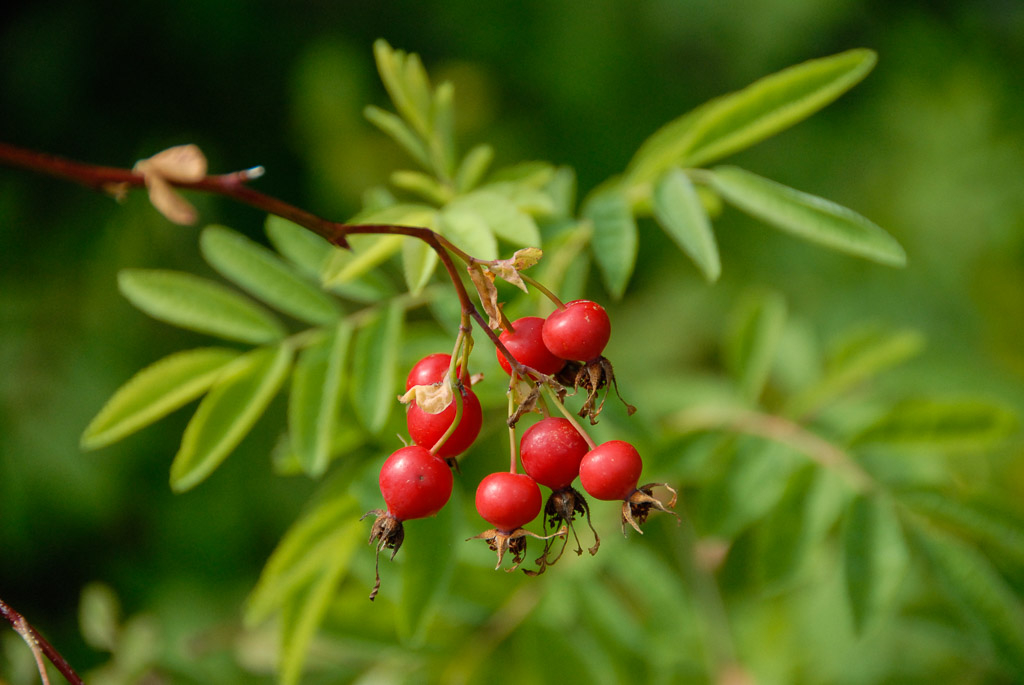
{"type": "Point", "coordinates": [374, 374]}
{"type": "Point", "coordinates": [614, 238]}
{"type": "Point", "coordinates": [875, 558]}
{"type": "Point", "coordinates": [678, 210]}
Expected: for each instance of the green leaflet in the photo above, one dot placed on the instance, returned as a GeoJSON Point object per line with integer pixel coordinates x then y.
{"type": "Point", "coordinates": [303, 248]}
{"type": "Point", "coordinates": [263, 274]}
{"type": "Point", "coordinates": [198, 304]}
{"type": "Point", "coordinates": [750, 345]}
{"type": "Point", "coordinates": [679, 211]}
{"type": "Point", "coordinates": [99, 617]}
{"type": "Point", "coordinates": [999, 531]}
{"type": "Point", "coordinates": [985, 598]}
{"type": "Point", "coordinates": [228, 413]}
{"type": "Point", "coordinates": [315, 398]}
{"type": "Point", "coordinates": [503, 218]}
{"type": "Point", "coordinates": [860, 357]}
{"type": "Point", "coordinates": [806, 216]}
{"type": "Point", "coordinates": [473, 167]}
{"type": "Point", "coordinates": [468, 230]}
{"type": "Point", "coordinates": [419, 261]}
{"type": "Point", "coordinates": [406, 81]}
{"type": "Point", "coordinates": [155, 392]}
{"type": "Point", "coordinates": [614, 239]}
{"type": "Point", "coordinates": [398, 131]}
{"type": "Point", "coordinates": [875, 558]}
{"type": "Point", "coordinates": [427, 567]}
{"type": "Point", "coordinates": [374, 377]}
{"type": "Point", "coordinates": [941, 425]}
{"type": "Point", "coordinates": [419, 183]}
{"type": "Point", "coordinates": [738, 120]}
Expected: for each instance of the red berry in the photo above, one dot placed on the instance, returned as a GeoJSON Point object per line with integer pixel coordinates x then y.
{"type": "Point", "coordinates": [508, 500]}
{"type": "Point", "coordinates": [580, 331]}
{"type": "Point", "coordinates": [426, 429]}
{"type": "Point", "coordinates": [415, 483]}
{"type": "Point", "coordinates": [431, 369]}
{"type": "Point", "coordinates": [551, 450]}
{"type": "Point", "coordinates": [611, 470]}
{"type": "Point", "coordinates": [527, 346]}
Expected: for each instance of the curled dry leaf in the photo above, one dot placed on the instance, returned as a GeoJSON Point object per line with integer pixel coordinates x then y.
{"type": "Point", "coordinates": [484, 283]}
{"type": "Point", "coordinates": [433, 398]}
{"type": "Point", "coordinates": [508, 269]}
{"type": "Point", "coordinates": [179, 164]}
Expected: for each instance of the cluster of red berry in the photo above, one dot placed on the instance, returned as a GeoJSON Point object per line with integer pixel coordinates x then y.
{"type": "Point", "coordinates": [444, 418]}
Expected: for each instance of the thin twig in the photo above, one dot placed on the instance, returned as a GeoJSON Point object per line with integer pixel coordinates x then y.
{"type": "Point", "coordinates": [39, 646]}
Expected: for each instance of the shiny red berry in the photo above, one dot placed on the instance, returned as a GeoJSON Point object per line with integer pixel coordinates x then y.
{"type": "Point", "coordinates": [426, 429]}
{"type": "Point", "coordinates": [415, 484]}
{"type": "Point", "coordinates": [611, 470]}
{"type": "Point", "coordinates": [431, 369]}
{"type": "Point", "coordinates": [551, 450]}
{"type": "Point", "coordinates": [508, 500]}
{"type": "Point", "coordinates": [580, 331]}
{"type": "Point", "coordinates": [526, 344]}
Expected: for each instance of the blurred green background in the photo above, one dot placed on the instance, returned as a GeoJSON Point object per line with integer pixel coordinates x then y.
{"type": "Point", "coordinates": [930, 147]}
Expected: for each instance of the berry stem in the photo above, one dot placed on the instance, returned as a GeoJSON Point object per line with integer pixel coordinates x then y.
{"type": "Point", "coordinates": [572, 419]}
{"type": "Point", "coordinates": [513, 444]}
{"type": "Point", "coordinates": [39, 646]}
{"type": "Point", "coordinates": [455, 383]}
{"type": "Point", "coordinates": [544, 289]}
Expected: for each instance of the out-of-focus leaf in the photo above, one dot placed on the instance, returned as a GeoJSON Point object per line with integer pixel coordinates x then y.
{"type": "Point", "coordinates": [614, 239]}
{"type": "Point", "coordinates": [427, 568]}
{"type": "Point", "coordinates": [419, 183]}
{"type": "Point", "coordinates": [562, 191]}
{"type": "Point", "coordinates": [303, 248]}
{"type": "Point", "coordinates": [875, 558]}
{"type": "Point", "coordinates": [1000, 531]}
{"type": "Point", "coordinates": [343, 266]}
{"type": "Point", "coordinates": [99, 617]}
{"type": "Point", "coordinates": [419, 261]}
{"type": "Point", "coordinates": [442, 139]}
{"type": "Point", "coordinates": [941, 426]}
{"type": "Point", "coordinates": [228, 413]}
{"type": "Point", "coordinates": [406, 81]}
{"type": "Point", "coordinates": [799, 521]}
{"type": "Point", "coordinates": [156, 391]}
{"type": "Point", "coordinates": [738, 120]}
{"type": "Point", "coordinates": [860, 357]}
{"type": "Point", "coordinates": [991, 606]}
{"type": "Point", "coordinates": [806, 216]}
{"type": "Point", "coordinates": [469, 231]}
{"type": "Point", "coordinates": [753, 339]}
{"type": "Point", "coordinates": [301, 617]}
{"type": "Point", "coordinates": [398, 131]}
{"type": "Point", "coordinates": [504, 219]}
{"type": "Point", "coordinates": [529, 174]}
{"type": "Point", "coordinates": [315, 397]}
{"type": "Point", "coordinates": [473, 167]}
{"type": "Point", "coordinates": [258, 270]}
{"type": "Point", "coordinates": [198, 304]}
{"type": "Point", "coordinates": [679, 211]}
{"type": "Point", "coordinates": [374, 386]}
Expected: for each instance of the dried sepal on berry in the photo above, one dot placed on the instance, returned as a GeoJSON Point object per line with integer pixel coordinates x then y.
{"type": "Point", "coordinates": [637, 506]}
{"type": "Point", "coordinates": [560, 512]}
{"type": "Point", "coordinates": [388, 533]}
{"type": "Point", "coordinates": [592, 376]}
{"type": "Point", "coordinates": [514, 542]}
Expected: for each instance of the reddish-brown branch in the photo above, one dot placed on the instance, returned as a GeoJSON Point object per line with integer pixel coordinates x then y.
{"type": "Point", "coordinates": [115, 180]}
{"type": "Point", "coordinates": [37, 641]}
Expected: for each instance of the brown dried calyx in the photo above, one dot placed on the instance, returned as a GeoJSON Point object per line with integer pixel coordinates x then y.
{"type": "Point", "coordinates": [511, 541]}
{"type": "Point", "coordinates": [637, 506]}
{"type": "Point", "coordinates": [560, 511]}
{"type": "Point", "coordinates": [592, 376]}
{"type": "Point", "coordinates": [388, 533]}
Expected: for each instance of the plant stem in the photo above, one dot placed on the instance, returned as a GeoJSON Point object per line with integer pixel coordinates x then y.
{"type": "Point", "coordinates": [39, 646]}
{"type": "Point", "coordinates": [572, 419]}
{"type": "Point", "coordinates": [541, 287]}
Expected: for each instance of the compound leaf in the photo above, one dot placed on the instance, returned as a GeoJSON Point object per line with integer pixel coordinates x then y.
{"type": "Point", "coordinates": [738, 120]}
{"type": "Point", "coordinates": [228, 413]}
{"type": "Point", "coordinates": [198, 304]}
{"type": "Point", "coordinates": [752, 341]}
{"type": "Point", "coordinates": [155, 392]}
{"type": "Point", "coordinates": [977, 589]}
{"type": "Point", "coordinates": [469, 231]}
{"type": "Point", "coordinates": [806, 216]}
{"type": "Point", "coordinates": [614, 239]}
{"type": "Point", "coordinates": [300, 246]}
{"type": "Point", "coordinates": [679, 211]}
{"type": "Point", "coordinates": [941, 425]}
{"type": "Point", "coordinates": [315, 397]}
{"type": "Point", "coordinates": [262, 273]}
{"type": "Point", "coordinates": [504, 219]}
{"type": "Point", "coordinates": [374, 382]}
{"type": "Point", "coordinates": [875, 557]}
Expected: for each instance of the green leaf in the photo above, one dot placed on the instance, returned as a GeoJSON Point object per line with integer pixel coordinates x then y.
{"type": "Point", "coordinates": [442, 139]}
{"type": "Point", "coordinates": [198, 304]}
{"type": "Point", "coordinates": [752, 340]}
{"type": "Point", "coordinates": [375, 380]}
{"type": "Point", "coordinates": [976, 588]}
{"type": "Point", "coordinates": [941, 425]}
{"type": "Point", "coordinates": [738, 120]}
{"type": "Point", "coordinates": [875, 558]}
{"type": "Point", "coordinates": [303, 248]}
{"type": "Point", "coordinates": [424, 185]}
{"type": "Point", "coordinates": [859, 358]}
{"type": "Point", "coordinates": [1000, 531]}
{"type": "Point", "coordinates": [315, 398]}
{"type": "Point", "coordinates": [427, 569]}
{"type": "Point", "coordinates": [419, 261]}
{"type": "Point", "coordinates": [344, 266]}
{"type": "Point", "coordinates": [473, 167]}
{"type": "Point", "coordinates": [562, 191]}
{"type": "Point", "coordinates": [301, 555]}
{"type": "Point", "coordinates": [99, 617]}
{"type": "Point", "coordinates": [806, 216]}
{"type": "Point", "coordinates": [502, 217]}
{"type": "Point", "coordinates": [258, 270]}
{"type": "Point", "coordinates": [398, 131]}
{"type": "Point", "coordinates": [156, 391]}
{"type": "Point", "coordinates": [468, 230]}
{"type": "Point", "coordinates": [678, 210]}
{"type": "Point", "coordinates": [228, 413]}
{"type": "Point", "coordinates": [614, 239]}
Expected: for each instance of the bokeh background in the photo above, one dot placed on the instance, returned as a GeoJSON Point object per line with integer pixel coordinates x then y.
{"type": "Point", "coordinates": [930, 146]}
